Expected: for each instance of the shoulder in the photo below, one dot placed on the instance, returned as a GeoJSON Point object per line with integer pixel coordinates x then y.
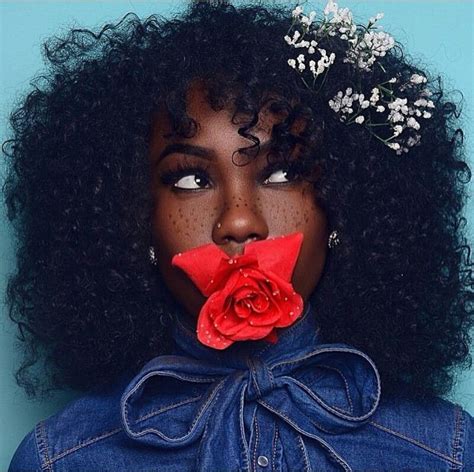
{"type": "Point", "coordinates": [91, 419]}
{"type": "Point", "coordinates": [436, 426]}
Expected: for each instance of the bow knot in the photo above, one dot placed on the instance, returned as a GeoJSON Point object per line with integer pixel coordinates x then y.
{"type": "Point", "coordinates": [261, 380]}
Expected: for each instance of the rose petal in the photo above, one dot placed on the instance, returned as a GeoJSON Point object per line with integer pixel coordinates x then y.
{"type": "Point", "coordinates": [269, 317]}
{"type": "Point", "coordinates": [200, 264]}
{"type": "Point", "coordinates": [278, 255]}
{"type": "Point", "coordinates": [207, 333]}
{"type": "Point", "coordinates": [251, 333]}
{"type": "Point", "coordinates": [259, 303]}
{"type": "Point", "coordinates": [228, 268]}
{"type": "Point", "coordinates": [229, 323]}
{"type": "Point", "coordinates": [242, 309]}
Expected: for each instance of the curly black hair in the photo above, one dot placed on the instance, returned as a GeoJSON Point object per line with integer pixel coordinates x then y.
{"type": "Point", "coordinates": [86, 299]}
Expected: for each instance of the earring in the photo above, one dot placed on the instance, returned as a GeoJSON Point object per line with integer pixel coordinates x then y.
{"type": "Point", "coordinates": [333, 240]}
{"type": "Point", "coordinates": [218, 225]}
{"type": "Point", "coordinates": [153, 259]}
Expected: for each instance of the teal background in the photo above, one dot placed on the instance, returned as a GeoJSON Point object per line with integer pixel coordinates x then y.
{"type": "Point", "coordinates": [438, 34]}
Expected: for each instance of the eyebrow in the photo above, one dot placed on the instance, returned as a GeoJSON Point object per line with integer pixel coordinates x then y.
{"type": "Point", "coordinates": [182, 148]}
{"type": "Point", "coordinates": [198, 151]}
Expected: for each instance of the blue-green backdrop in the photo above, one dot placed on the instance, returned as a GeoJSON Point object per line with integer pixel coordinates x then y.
{"type": "Point", "coordinates": [437, 33]}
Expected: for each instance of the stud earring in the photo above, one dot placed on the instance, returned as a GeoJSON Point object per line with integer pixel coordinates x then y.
{"type": "Point", "coordinates": [218, 226]}
{"type": "Point", "coordinates": [152, 254]}
{"type": "Point", "coordinates": [333, 240]}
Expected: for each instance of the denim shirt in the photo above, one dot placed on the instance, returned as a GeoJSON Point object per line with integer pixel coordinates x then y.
{"type": "Point", "coordinates": [297, 405]}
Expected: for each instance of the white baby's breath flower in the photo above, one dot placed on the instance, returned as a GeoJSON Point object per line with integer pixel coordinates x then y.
{"type": "Point", "coordinates": [297, 11]}
{"type": "Point", "coordinates": [330, 7]}
{"type": "Point", "coordinates": [376, 18]}
{"type": "Point", "coordinates": [426, 93]}
{"type": "Point", "coordinates": [413, 140]}
{"type": "Point", "coordinates": [292, 63]}
{"type": "Point", "coordinates": [375, 96]}
{"type": "Point", "coordinates": [392, 80]}
{"type": "Point", "coordinates": [395, 117]}
{"type": "Point", "coordinates": [311, 50]}
{"type": "Point", "coordinates": [360, 119]}
{"type": "Point", "coordinates": [426, 114]}
{"type": "Point", "coordinates": [412, 123]}
{"type": "Point", "coordinates": [397, 130]}
{"type": "Point", "coordinates": [394, 146]}
{"type": "Point", "coordinates": [380, 109]}
{"type": "Point", "coordinates": [417, 79]}
{"type": "Point", "coordinates": [300, 58]}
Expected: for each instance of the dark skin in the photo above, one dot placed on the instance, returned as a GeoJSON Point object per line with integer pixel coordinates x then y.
{"type": "Point", "coordinates": [217, 201]}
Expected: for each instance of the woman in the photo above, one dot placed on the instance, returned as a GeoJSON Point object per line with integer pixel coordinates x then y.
{"type": "Point", "coordinates": [231, 147]}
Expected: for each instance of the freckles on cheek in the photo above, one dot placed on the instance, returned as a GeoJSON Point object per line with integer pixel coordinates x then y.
{"type": "Point", "coordinates": [179, 227]}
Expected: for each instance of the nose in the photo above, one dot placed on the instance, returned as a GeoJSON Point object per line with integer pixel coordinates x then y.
{"type": "Point", "coordinates": [238, 224]}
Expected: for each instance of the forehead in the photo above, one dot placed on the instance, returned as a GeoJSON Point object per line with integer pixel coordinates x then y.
{"type": "Point", "coordinates": [226, 116]}
{"type": "Point", "coordinates": [216, 123]}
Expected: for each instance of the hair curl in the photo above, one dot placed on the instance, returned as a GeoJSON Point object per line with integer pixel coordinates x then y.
{"type": "Point", "coordinates": [85, 297]}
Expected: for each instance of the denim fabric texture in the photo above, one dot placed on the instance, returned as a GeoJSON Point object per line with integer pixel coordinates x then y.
{"type": "Point", "coordinates": [297, 405]}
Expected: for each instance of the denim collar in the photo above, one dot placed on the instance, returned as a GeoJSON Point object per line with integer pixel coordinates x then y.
{"type": "Point", "coordinates": [299, 338]}
{"type": "Point", "coordinates": [203, 397]}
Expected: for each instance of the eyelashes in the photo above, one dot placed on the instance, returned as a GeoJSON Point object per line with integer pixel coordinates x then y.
{"type": "Point", "coordinates": [196, 177]}
{"type": "Point", "coordinates": [172, 176]}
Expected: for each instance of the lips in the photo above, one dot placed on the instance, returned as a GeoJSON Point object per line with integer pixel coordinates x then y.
{"type": "Point", "coordinates": [249, 296]}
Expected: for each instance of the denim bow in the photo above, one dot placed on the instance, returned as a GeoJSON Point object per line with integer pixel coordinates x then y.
{"type": "Point", "coordinates": [178, 400]}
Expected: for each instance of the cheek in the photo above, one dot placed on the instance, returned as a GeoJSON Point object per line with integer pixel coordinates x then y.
{"type": "Point", "coordinates": [180, 224]}
{"type": "Point", "coordinates": [298, 211]}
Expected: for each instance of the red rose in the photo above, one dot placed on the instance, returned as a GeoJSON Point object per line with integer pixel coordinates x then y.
{"type": "Point", "coordinates": [249, 295]}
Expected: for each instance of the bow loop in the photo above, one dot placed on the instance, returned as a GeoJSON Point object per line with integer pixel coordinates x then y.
{"type": "Point", "coordinates": [333, 389]}
{"type": "Point", "coordinates": [167, 388]}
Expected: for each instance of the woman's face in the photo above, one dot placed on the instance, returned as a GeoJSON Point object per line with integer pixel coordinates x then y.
{"type": "Point", "coordinates": [202, 197]}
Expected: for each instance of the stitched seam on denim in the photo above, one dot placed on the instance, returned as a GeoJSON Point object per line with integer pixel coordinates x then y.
{"type": "Point", "coordinates": [307, 466]}
{"type": "Point", "coordinates": [291, 422]}
{"type": "Point", "coordinates": [256, 444]}
{"type": "Point", "coordinates": [166, 408]}
{"type": "Point", "coordinates": [274, 445]}
{"type": "Point", "coordinates": [40, 436]}
{"type": "Point", "coordinates": [270, 375]}
{"type": "Point", "coordinates": [322, 351]}
{"type": "Point", "coordinates": [415, 442]}
{"type": "Point", "coordinates": [254, 377]}
{"type": "Point", "coordinates": [339, 350]}
{"type": "Point", "coordinates": [351, 406]}
{"type": "Point", "coordinates": [212, 397]}
{"type": "Point", "coordinates": [241, 417]}
{"type": "Point", "coordinates": [201, 445]}
{"type": "Point", "coordinates": [313, 436]}
{"type": "Point", "coordinates": [457, 449]}
{"type": "Point", "coordinates": [85, 444]}
{"type": "Point", "coordinates": [323, 404]}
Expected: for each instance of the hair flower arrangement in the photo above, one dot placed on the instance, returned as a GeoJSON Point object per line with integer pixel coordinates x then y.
{"type": "Point", "coordinates": [396, 118]}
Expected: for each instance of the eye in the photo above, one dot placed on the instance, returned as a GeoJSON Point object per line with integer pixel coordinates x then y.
{"type": "Point", "coordinates": [186, 177]}
{"type": "Point", "coordinates": [192, 182]}
{"type": "Point", "coordinates": [280, 176]}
